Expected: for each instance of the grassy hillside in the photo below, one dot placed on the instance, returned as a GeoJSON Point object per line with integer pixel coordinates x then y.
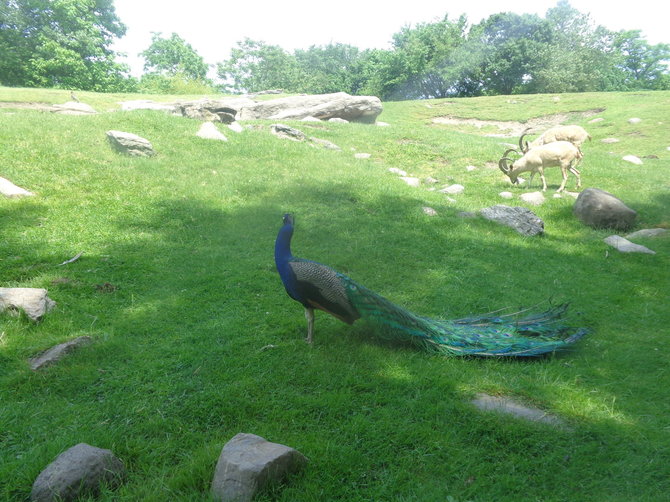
{"type": "Point", "coordinates": [177, 288]}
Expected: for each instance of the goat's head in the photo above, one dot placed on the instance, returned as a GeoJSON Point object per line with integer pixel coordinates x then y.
{"type": "Point", "coordinates": [507, 168]}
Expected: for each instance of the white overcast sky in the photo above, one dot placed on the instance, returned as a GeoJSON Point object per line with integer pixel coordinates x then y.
{"type": "Point", "coordinates": [214, 27]}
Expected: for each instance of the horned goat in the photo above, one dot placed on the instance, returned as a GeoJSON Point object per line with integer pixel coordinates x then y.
{"type": "Point", "coordinates": [561, 154]}
{"type": "Point", "coordinates": [573, 133]}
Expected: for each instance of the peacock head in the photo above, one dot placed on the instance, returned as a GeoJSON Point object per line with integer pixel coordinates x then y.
{"type": "Point", "coordinates": [288, 219]}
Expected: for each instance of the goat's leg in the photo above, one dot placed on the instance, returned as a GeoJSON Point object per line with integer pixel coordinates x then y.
{"type": "Point", "coordinates": [544, 181]}
{"type": "Point", "coordinates": [564, 172]}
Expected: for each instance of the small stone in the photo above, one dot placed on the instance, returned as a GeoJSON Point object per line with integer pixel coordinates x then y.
{"type": "Point", "coordinates": [309, 118]}
{"type": "Point", "coordinates": [286, 132]}
{"type": "Point", "coordinates": [626, 246]}
{"type": "Point", "coordinates": [453, 189]}
{"type": "Point", "coordinates": [9, 189]}
{"type": "Point", "coordinates": [397, 171]}
{"type": "Point", "coordinates": [534, 198]}
{"type": "Point", "coordinates": [647, 232]}
{"type": "Point", "coordinates": [362, 155]}
{"type": "Point", "coordinates": [609, 140]}
{"type": "Point", "coordinates": [634, 120]}
{"type": "Point", "coordinates": [382, 124]}
{"type": "Point", "coordinates": [430, 180]}
{"type": "Point", "coordinates": [429, 211]}
{"type": "Point", "coordinates": [338, 120]}
{"type": "Point", "coordinates": [55, 354]}
{"type": "Point", "coordinates": [413, 182]}
{"type": "Point", "coordinates": [596, 120]}
{"type": "Point", "coordinates": [236, 127]}
{"type": "Point", "coordinates": [506, 195]}
{"type": "Point", "coordinates": [486, 402]}
{"type": "Point", "coordinates": [632, 159]}
{"type": "Point", "coordinates": [470, 168]}
{"type": "Point", "coordinates": [209, 131]}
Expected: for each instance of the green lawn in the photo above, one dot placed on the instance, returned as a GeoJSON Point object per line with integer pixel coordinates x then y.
{"type": "Point", "coordinates": [177, 366]}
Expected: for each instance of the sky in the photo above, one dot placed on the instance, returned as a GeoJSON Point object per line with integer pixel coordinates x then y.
{"type": "Point", "coordinates": [214, 27]}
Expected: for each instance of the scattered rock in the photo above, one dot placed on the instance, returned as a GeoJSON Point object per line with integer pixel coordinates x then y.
{"type": "Point", "coordinates": [216, 110]}
{"type": "Point", "coordinates": [609, 140]}
{"type": "Point", "coordinates": [632, 159]}
{"type": "Point", "coordinates": [429, 211]}
{"type": "Point", "coordinates": [599, 209]}
{"type": "Point", "coordinates": [634, 120]}
{"type": "Point", "coordinates": [324, 143]}
{"type": "Point", "coordinates": [382, 124]}
{"type": "Point", "coordinates": [626, 246]}
{"type": "Point", "coordinates": [248, 463]}
{"type": "Point", "coordinates": [338, 120]}
{"type": "Point", "coordinates": [470, 168]}
{"type": "Point", "coordinates": [453, 189]}
{"type": "Point", "coordinates": [362, 155]}
{"type": "Point", "coordinates": [534, 198]}
{"type": "Point", "coordinates": [209, 131]}
{"type": "Point", "coordinates": [55, 354]}
{"type": "Point", "coordinates": [647, 232]}
{"type": "Point", "coordinates": [9, 189]}
{"type": "Point", "coordinates": [430, 180]}
{"type": "Point", "coordinates": [235, 127]}
{"type": "Point", "coordinates": [74, 108]}
{"type": "Point", "coordinates": [287, 132]}
{"type": "Point", "coordinates": [413, 182]}
{"type": "Point", "coordinates": [33, 301]}
{"type": "Point", "coordinates": [397, 171]}
{"type": "Point", "coordinates": [130, 144]}
{"type": "Point", "coordinates": [486, 402]}
{"type": "Point", "coordinates": [506, 195]}
{"type": "Point", "coordinates": [147, 104]}
{"type": "Point", "coordinates": [79, 471]}
{"type": "Point", "coordinates": [309, 118]}
{"type": "Point", "coordinates": [596, 120]}
{"type": "Point", "coordinates": [521, 219]}
{"type": "Point", "coordinates": [322, 106]}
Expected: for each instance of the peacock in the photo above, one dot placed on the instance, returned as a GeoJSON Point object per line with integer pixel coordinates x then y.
{"type": "Point", "coordinates": [319, 287]}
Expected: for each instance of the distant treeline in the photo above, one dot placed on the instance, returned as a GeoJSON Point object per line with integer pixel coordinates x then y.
{"type": "Point", "coordinates": [66, 44]}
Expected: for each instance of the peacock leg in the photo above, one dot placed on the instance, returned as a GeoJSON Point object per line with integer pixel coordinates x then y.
{"type": "Point", "coordinates": [309, 314]}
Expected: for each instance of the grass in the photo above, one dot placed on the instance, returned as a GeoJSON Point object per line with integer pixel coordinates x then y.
{"type": "Point", "coordinates": [177, 366]}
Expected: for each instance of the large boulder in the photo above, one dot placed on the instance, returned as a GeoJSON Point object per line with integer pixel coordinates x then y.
{"type": "Point", "coordinates": [217, 110]}
{"type": "Point", "coordinates": [600, 209]}
{"type": "Point", "coordinates": [81, 470]}
{"type": "Point", "coordinates": [322, 106]}
{"type": "Point", "coordinates": [248, 463]}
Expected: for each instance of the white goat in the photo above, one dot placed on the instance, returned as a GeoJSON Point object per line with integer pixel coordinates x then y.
{"type": "Point", "coordinates": [573, 133]}
{"type": "Point", "coordinates": [561, 154]}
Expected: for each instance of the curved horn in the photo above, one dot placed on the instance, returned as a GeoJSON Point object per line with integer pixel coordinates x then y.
{"type": "Point", "coordinates": [523, 146]}
{"type": "Point", "coordinates": [502, 164]}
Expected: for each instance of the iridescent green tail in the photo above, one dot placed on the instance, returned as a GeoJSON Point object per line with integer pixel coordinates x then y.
{"type": "Point", "coordinates": [519, 335]}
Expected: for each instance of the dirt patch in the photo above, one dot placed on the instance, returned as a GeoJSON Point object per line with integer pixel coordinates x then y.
{"type": "Point", "coordinates": [512, 128]}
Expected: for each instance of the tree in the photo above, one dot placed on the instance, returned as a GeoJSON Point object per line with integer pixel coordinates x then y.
{"type": "Point", "coordinates": [60, 43]}
{"type": "Point", "coordinates": [256, 66]}
{"type": "Point", "coordinates": [642, 65]}
{"type": "Point", "coordinates": [330, 68]}
{"type": "Point", "coordinates": [173, 56]}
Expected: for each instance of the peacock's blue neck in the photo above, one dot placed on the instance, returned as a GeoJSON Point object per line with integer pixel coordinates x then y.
{"type": "Point", "coordinates": [283, 250]}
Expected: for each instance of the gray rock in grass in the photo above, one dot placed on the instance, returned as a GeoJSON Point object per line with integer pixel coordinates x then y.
{"type": "Point", "coordinates": [130, 144]}
{"type": "Point", "coordinates": [249, 463]}
{"type": "Point", "coordinates": [56, 353]}
{"type": "Point", "coordinates": [33, 301]}
{"type": "Point", "coordinates": [505, 405]}
{"type": "Point", "coordinates": [79, 471]}
{"type": "Point", "coordinates": [600, 209]}
{"type": "Point", "coordinates": [626, 246]}
{"type": "Point", "coordinates": [521, 219]}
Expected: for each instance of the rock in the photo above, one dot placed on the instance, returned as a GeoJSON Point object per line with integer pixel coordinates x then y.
{"type": "Point", "coordinates": [248, 463]}
{"type": "Point", "coordinates": [324, 143]}
{"type": "Point", "coordinates": [338, 120]}
{"type": "Point", "coordinates": [430, 180]}
{"type": "Point", "coordinates": [626, 246]}
{"type": "Point", "coordinates": [632, 159]}
{"type": "Point", "coordinates": [310, 119]}
{"type": "Point", "coordinates": [470, 168]}
{"type": "Point", "coordinates": [130, 144]}
{"type": "Point", "coordinates": [79, 471]}
{"type": "Point", "coordinates": [267, 91]}
{"type": "Point", "coordinates": [521, 219]}
{"type": "Point", "coordinates": [362, 155]}
{"type": "Point", "coordinates": [506, 195]}
{"type": "Point", "coordinates": [9, 189]}
{"type": "Point", "coordinates": [382, 124]}
{"type": "Point", "coordinates": [647, 232]}
{"type": "Point", "coordinates": [287, 132]}
{"type": "Point", "coordinates": [397, 171]}
{"type": "Point", "coordinates": [596, 120]}
{"type": "Point", "coordinates": [609, 140]}
{"type": "Point", "coordinates": [413, 182]}
{"type": "Point", "coordinates": [33, 301]}
{"type": "Point", "coordinates": [486, 402]}
{"type": "Point", "coordinates": [534, 198]}
{"type": "Point", "coordinates": [429, 211]}
{"type": "Point", "coordinates": [453, 189]}
{"type": "Point", "coordinates": [55, 354]}
{"type": "Point", "coordinates": [634, 120]}
{"type": "Point", "coordinates": [209, 131]}
{"type": "Point", "coordinates": [599, 209]}
{"type": "Point", "coordinates": [217, 110]}
{"type": "Point", "coordinates": [146, 104]}
{"type": "Point", "coordinates": [74, 108]}
{"type": "Point", "coordinates": [322, 106]}
{"type": "Point", "coordinates": [236, 127]}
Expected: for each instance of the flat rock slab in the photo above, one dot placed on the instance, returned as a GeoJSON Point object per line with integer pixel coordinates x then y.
{"type": "Point", "coordinates": [647, 232]}
{"type": "Point", "coordinates": [633, 159]}
{"type": "Point", "coordinates": [521, 219]}
{"type": "Point", "coordinates": [56, 353]}
{"type": "Point", "coordinates": [248, 463]}
{"type": "Point", "coordinates": [286, 132]}
{"type": "Point", "coordinates": [485, 402]}
{"type": "Point", "coordinates": [81, 470]}
{"type": "Point", "coordinates": [130, 144]}
{"type": "Point", "coordinates": [74, 108]}
{"type": "Point", "coordinates": [626, 246]}
{"type": "Point", "coordinates": [9, 189]}
{"type": "Point", "coordinates": [33, 301]}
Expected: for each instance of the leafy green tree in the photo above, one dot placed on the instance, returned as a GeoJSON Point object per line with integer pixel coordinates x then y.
{"type": "Point", "coordinates": [60, 43]}
{"type": "Point", "coordinates": [173, 56]}
{"type": "Point", "coordinates": [255, 66]}
{"type": "Point", "coordinates": [643, 66]}
{"type": "Point", "coordinates": [330, 68]}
